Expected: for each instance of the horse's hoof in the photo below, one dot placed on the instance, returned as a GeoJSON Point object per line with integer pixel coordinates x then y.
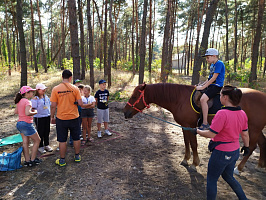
{"type": "Point", "coordinates": [184, 163]}
{"type": "Point", "coordinates": [236, 171]}
{"type": "Point", "coordinates": [193, 167]}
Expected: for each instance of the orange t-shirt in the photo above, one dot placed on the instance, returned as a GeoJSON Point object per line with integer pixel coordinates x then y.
{"type": "Point", "coordinates": [65, 96]}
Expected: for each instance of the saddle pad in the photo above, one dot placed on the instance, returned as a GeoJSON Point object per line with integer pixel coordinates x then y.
{"type": "Point", "coordinates": [213, 110]}
{"type": "Point", "coordinates": [10, 140]}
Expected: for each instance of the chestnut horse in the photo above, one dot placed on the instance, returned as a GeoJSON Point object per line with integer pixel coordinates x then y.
{"type": "Point", "coordinates": [176, 99]}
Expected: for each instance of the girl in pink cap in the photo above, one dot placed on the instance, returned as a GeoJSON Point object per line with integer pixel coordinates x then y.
{"type": "Point", "coordinates": [25, 125]}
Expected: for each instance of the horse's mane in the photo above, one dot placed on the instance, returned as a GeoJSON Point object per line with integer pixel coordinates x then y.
{"type": "Point", "coordinates": [170, 91]}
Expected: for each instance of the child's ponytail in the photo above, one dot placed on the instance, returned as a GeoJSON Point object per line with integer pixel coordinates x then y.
{"type": "Point", "coordinates": [18, 97]}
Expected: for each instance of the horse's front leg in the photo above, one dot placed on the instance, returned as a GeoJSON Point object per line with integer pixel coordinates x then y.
{"type": "Point", "coordinates": [187, 149]}
{"type": "Point", "coordinates": [262, 145]}
{"type": "Point", "coordinates": [194, 147]}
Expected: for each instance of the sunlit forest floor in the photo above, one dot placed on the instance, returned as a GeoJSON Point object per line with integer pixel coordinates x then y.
{"type": "Point", "coordinates": [141, 160]}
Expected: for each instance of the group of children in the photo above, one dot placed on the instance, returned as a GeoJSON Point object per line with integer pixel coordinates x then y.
{"type": "Point", "coordinates": [36, 109]}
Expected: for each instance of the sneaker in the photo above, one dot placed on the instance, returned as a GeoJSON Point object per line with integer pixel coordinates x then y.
{"type": "Point", "coordinates": [204, 127]}
{"type": "Point", "coordinates": [37, 161]}
{"type": "Point", "coordinates": [27, 164]}
{"type": "Point", "coordinates": [107, 132]}
{"type": "Point", "coordinates": [77, 158]}
{"type": "Point", "coordinates": [99, 134]}
{"type": "Point", "coordinates": [48, 148]}
{"type": "Point", "coordinates": [60, 162]}
{"type": "Point", "coordinates": [57, 149]}
{"type": "Point", "coordinates": [42, 150]}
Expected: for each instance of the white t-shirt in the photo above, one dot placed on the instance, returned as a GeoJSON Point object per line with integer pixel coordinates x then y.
{"type": "Point", "coordinates": [88, 100]}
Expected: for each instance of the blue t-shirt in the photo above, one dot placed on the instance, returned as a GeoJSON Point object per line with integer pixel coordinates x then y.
{"type": "Point", "coordinates": [219, 68]}
{"type": "Point", "coordinates": [102, 96]}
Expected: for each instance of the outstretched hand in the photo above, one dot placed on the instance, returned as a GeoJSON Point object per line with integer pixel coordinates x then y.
{"type": "Point", "coordinates": [246, 150]}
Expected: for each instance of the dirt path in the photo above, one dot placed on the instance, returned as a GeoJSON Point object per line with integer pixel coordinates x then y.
{"type": "Point", "coordinates": [141, 160]}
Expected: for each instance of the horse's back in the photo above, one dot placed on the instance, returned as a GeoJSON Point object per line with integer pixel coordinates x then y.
{"type": "Point", "coordinates": [253, 102]}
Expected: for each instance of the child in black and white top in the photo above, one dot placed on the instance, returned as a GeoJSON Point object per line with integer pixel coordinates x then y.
{"type": "Point", "coordinates": [102, 97]}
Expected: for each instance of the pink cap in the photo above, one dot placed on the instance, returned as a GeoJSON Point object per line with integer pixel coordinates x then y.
{"type": "Point", "coordinates": [26, 89]}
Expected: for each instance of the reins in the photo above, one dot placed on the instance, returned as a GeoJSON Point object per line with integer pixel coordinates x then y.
{"type": "Point", "coordinates": [148, 106]}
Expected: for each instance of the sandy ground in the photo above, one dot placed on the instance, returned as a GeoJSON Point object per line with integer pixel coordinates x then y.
{"type": "Point", "coordinates": [141, 160]}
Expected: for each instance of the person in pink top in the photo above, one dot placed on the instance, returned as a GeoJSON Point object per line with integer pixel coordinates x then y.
{"type": "Point", "coordinates": [25, 125]}
{"type": "Point", "coordinates": [227, 125]}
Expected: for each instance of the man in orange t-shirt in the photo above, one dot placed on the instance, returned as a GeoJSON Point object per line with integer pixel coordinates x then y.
{"type": "Point", "coordinates": [65, 97]}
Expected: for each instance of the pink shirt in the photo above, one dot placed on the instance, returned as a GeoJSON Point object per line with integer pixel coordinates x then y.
{"type": "Point", "coordinates": [228, 123]}
{"type": "Point", "coordinates": [21, 105]}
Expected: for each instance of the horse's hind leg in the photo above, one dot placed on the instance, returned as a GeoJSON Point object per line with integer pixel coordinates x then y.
{"type": "Point", "coordinates": [262, 145]}
{"type": "Point", "coordinates": [253, 139]}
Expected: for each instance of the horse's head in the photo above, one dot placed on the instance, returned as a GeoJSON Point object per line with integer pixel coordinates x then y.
{"type": "Point", "coordinates": [136, 103]}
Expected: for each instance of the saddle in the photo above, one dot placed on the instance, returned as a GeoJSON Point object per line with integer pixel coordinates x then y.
{"type": "Point", "coordinates": [214, 104]}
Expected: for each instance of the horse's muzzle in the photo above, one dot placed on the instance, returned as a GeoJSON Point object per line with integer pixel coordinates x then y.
{"type": "Point", "coordinates": [128, 114]}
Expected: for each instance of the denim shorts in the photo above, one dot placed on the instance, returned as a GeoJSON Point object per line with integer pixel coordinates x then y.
{"type": "Point", "coordinates": [26, 128]}
{"type": "Point", "coordinates": [62, 127]}
{"type": "Point", "coordinates": [102, 115]}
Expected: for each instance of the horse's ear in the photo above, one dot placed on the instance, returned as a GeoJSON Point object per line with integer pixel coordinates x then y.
{"type": "Point", "coordinates": [143, 86]}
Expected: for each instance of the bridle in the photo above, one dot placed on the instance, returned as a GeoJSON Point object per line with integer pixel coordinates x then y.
{"type": "Point", "coordinates": [143, 100]}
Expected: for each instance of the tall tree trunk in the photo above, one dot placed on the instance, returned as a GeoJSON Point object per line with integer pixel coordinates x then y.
{"type": "Point", "coordinates": [90, 44]}
{"type": "Point", "coordinates": [132, 36]}
{"type": "Point", "coordinates": [143, 43]}
{"type": "Point", "coordinates": [227, 33]}
{"type": "Point", "coordinates": [82, 43]}
{"type": "Point", "coordinates": [255, 52]}
{"type": "Point", "coordinates": [111, 48]}
{"type": "Point", "coordinates": [235, 46]}
{"type": "Point", "coordinates": [150, 38]}
{"type": "Point", "coordinates": [137, 35]}
{"type": "Point", "coordinates": [204, 43]}
{"type": "Point", "coordinates": [264, 68]}
{"type": "Point", "coordinates": [33, 38]}
{"type": "Point", "coordinates": [63, 50]}
{"type": "Point", "coordinates": [7, 41]}
{"type": "Point", "coordinates": [242, 38]}
{"type": "Point", "coordinates": [23, 80]}
{"type": "Point", "coordinates": [74, 38]}
{"type": "Point", "coordinates": [41, 38]}
{"type": "Point", "coordinates": [105, 42]}
{"type": "Point", "coordinates": [165, 50]}
{"type": "Point", "coordinates": [200, 17]}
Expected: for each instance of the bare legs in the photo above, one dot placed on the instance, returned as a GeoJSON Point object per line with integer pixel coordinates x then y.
{"type": "Point", "coordinates": [36, 141]}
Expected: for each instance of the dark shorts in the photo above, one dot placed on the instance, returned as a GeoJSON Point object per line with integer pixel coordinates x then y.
{"type": "Point", "coordinates": [62, 127]}
{"type": "Point", "coordinates": [212, 91]}
{"type": "Point", "coordinates": [87, 113]}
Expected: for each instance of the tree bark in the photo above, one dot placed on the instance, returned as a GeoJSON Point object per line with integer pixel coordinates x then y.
{"type": "Point", "coordinates": [41, 38]}
{"type": "Point", "coordinates": [111, 44]}
{"type": "Point", "coordinates": [74, 38]}
{"type": "Point", "coordinates": [235, 46]}
{"type": "Point", "coordinates": [204, 43]}
{"type": "Point", "coordinates": [150, 38]}
{"type": "Point", "coordinates": [255, 52]}
{"type": "Point", "coordinates": [82, 43]}
{"type": "Point", "coordinates": [7, 41]}
{"type": "Point", "coordinates": [105, 42]}
{"type": "Point", "coordinates": [227, 33]}
{"type": "Point", "coordinates": [33, 38]}
{"type": "Point", "coordinates": [165, 50]}
{"type": "Point", "coordinates": [23, 80]}
{"type": "Point", "coordinates": [90, 45]}
{"type": "Point", "coordinates": [143, 43]}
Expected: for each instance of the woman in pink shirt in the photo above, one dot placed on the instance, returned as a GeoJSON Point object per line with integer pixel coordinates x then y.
{"type": "Point", "coordinates": [227, 125]}
{"type": "Point", "coordinates": [25, 125]}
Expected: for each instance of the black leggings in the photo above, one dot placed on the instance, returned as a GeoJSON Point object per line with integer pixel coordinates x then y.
{"type": "Point", "coordinates": [43, 128]}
